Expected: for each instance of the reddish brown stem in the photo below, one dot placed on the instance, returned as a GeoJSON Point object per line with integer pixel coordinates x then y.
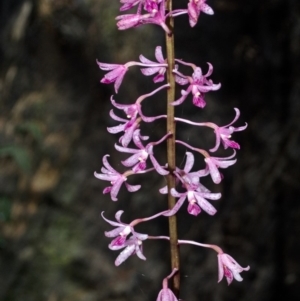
{"type": "Point", "coordinates": [171, 155]}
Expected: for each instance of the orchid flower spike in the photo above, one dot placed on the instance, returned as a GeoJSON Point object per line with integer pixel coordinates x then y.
{"type": "Point", "coordinates": [116, 179]}
{"type": "Point", "coordinates": [229, 268]}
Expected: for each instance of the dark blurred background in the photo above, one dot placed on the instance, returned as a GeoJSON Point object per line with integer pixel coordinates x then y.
{"type": "Point", "coordinates": [53, 119]}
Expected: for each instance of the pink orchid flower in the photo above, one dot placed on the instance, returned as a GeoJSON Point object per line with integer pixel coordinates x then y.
{"type": "Point", "coordinates": [116, 71]}
{"type": "Point", "coordinates": [157, 16]}
{"type": "Point", "coordinates": [223, 134]}
{"type": "Point", "coordinates": [132, 246]}
{"type": "Point", "coordinates": [229, 268]}
{"type": "Point", "coordinates": [116, 179]}
{"type": "Point", "coordinates": [121, 232]}
{"type": "Point", "coordinates": [198, 85]}
{"type": "Point", "coordinates": [197, 201]}
{"type": "Point", "coordinates": [133, 110]}
{"type": "Point", "coordinates": [154, 16]}
{"type": "Point", "coordinates": [165, 293]}
{"type": "Point", "coordinates": [151, 5]}
{"type": "Point", "coordinates": [187, 178]}
{"type": "Point", "coordinates": [116, 74]}
{"type": "Point", "coordinates": [195, 192]}
{"type": "Point", "coordinates": [194, 9]}
{"type": "Point", "coordinates": [128, 127]}
{"type": "Point", "coordinates": [214, 163]}
{"type": "Point", "coordinates": [140, 155]}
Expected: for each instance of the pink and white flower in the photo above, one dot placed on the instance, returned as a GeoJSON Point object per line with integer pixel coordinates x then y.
{"type": "Point", "coordinates": [195, 193]}
{"type": "Point", "coordinates": [132, 246]}
{"type": "Point", "coordinates": [116, 179]}
{"type": "Point", "coordinates": [140, 155]}
{"type": "Point", "coordinates": [214, 163]}
{"type": "Point", "coordinates": [155, 15]}
{"type": "Point", "coordinates": [116, 74]}
{"type": "Point", "coordinates": [197, 201]}
{"type": "Point", "coordinates": [165, 293]}
{"type": "Point", "coordinates": [198, 86]}
{"type": "Point", "coordinates": [120, 233]}
{"type": "Point", "coordinates": [223, 134]}
{"type": "Point", "coordinates": [229, 268]}
{"type": "Point", "coordinates": [128, 127]}
{"type": "Point", "coordinates": [194, 9]}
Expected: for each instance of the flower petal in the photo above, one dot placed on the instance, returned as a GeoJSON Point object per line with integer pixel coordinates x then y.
{"type": "Point", "coordinates": [115, 117]}
{"type": "Point", "coordinates": [114, 232]}
{"type": "Point", "coordinates": [139, 252]}
{"type": "Point", "coordinates": [144, 60]}
{"type": "Point", "coordinates": [159, 54]}
{"type": "Point", "coordinates": [126, 149]}
{"type": "Point", "coordinates": [150, 70]}
{"type": "Point", "coordinates": [164, 190]}
{"type": "Point", "coordinates": [207, 9]}
{"type": "Point", "coordinates": [125, 254]}
{"type": "Point", "coordinates": [115, 224]}
{"type": "Point", "coordinates": [214, 171]}
{"type": "Point", "coordinates": [132, 188]}
{"type": "Point", "coordinates": [116, 129]}
{"type": "Point", "coordinates": [220, 268]}
{"type": "Point", "coordinates": [177, 206]}
{"type": "Point", "coordinates": [157, 167]}
{"type": "Point", "coordinates": [189, 163]}
{"type": "Point", "coordinates": [115, 188]}
{"type": "Point", "coordinates": [205, 205]}
{"type": "Point", "coordinates": [105, 177]}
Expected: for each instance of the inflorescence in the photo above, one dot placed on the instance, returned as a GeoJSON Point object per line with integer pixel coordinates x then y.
{"type": "Point", "coordinates": [142, 153]}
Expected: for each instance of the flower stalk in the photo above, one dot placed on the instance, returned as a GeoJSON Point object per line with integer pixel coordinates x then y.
{"type": "Point", "coordinates": [171, 153]}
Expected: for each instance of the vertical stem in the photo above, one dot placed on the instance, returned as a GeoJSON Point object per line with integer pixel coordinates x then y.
{"type": "Point", "coordinates": [171, 155]}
